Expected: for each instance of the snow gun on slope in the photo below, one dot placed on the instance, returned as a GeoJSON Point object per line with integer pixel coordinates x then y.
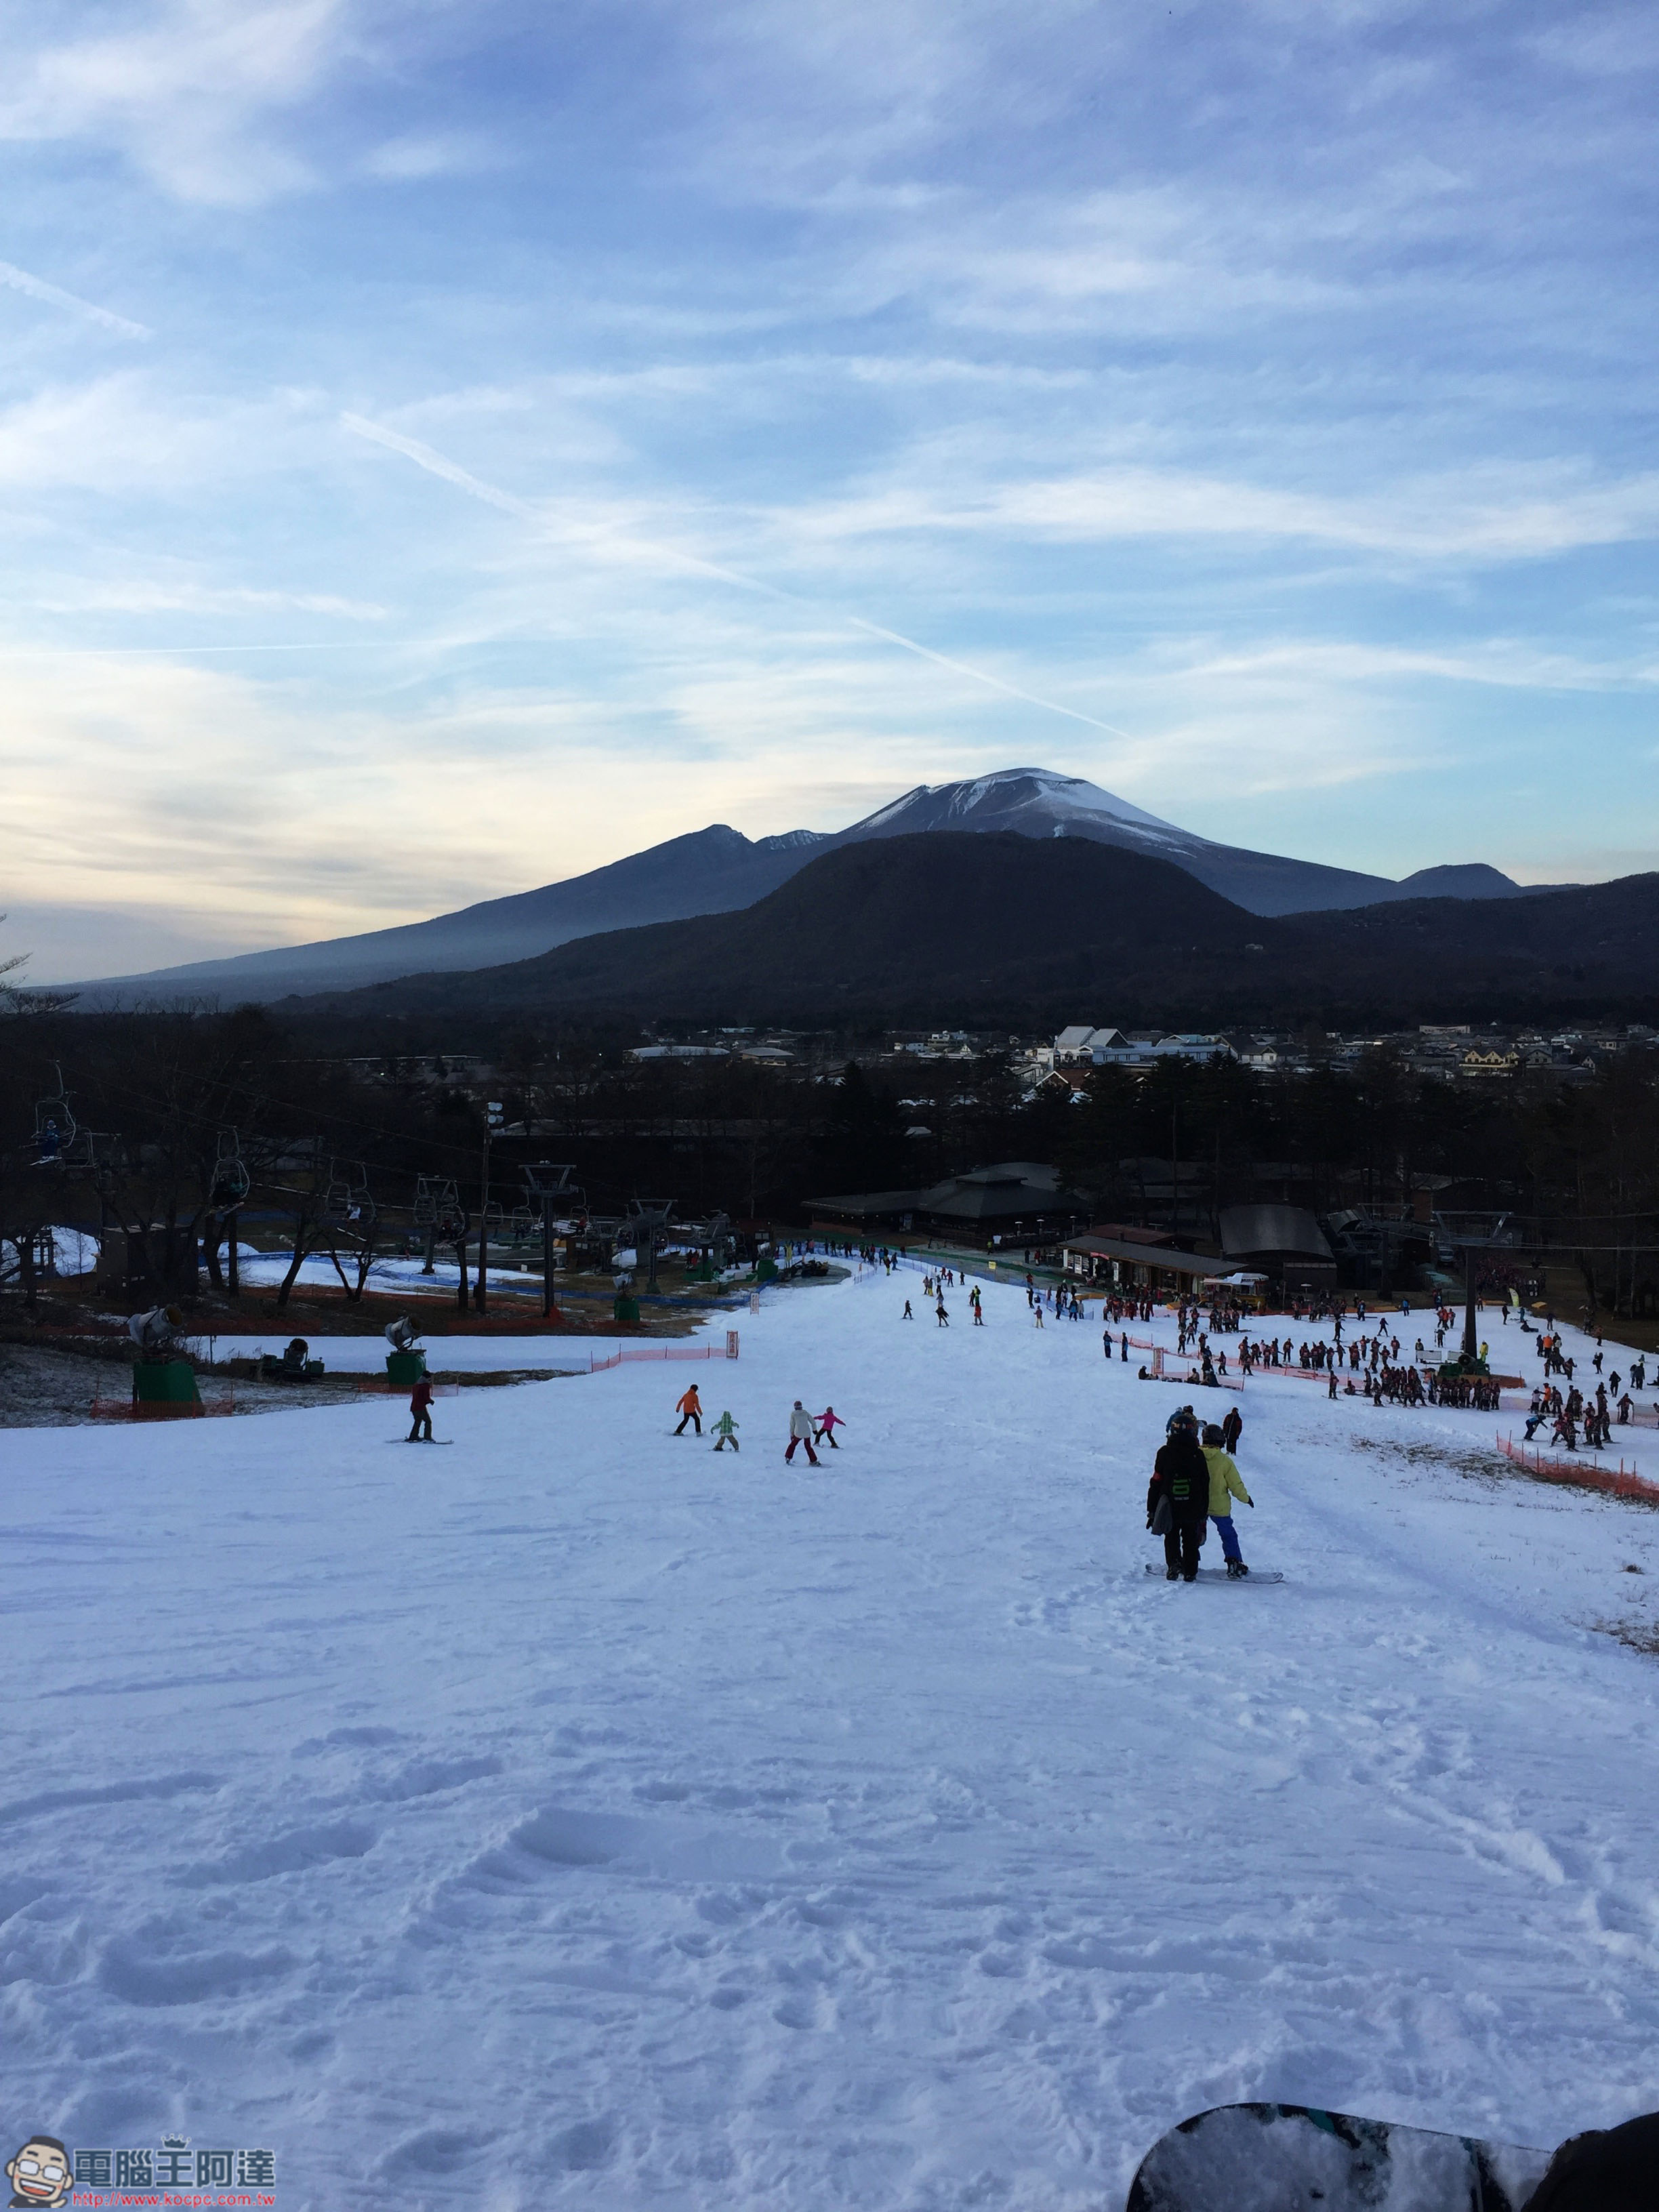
{"type": "Point", "coordinates": [158, 1334]}
{"type": "Point", "coordinates": [161, 1376]}
{"type": "Point", "coordinates": [405, 1363]}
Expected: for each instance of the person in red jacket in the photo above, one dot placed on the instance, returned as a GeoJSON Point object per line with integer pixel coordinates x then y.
{"type": "Point", "coordinates": [420, 1403]}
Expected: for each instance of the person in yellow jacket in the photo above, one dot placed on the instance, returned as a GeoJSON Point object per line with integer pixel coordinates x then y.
{"type": "Point", "coordinates": [1226, 1484]}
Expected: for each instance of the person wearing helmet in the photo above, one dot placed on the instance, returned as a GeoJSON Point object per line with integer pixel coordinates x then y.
{"type": "Point", "coordinates": [1178, 1496]}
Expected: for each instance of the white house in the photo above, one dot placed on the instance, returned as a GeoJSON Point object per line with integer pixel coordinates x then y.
{"type": "Point", "coordinates": [1079, 1046]}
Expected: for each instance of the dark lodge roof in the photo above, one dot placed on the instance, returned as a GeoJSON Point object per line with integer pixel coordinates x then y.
{"type": "Point", "coordinates": [1283, 1233]}
{"type": "Point", "coordinates": [1016, 1190]}
{"type": "Point", "coordinates": [1102, 1247]}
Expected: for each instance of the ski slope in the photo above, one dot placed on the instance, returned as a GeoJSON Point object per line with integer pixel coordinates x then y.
{"type": "Point", "coordinates": [575, 1817]}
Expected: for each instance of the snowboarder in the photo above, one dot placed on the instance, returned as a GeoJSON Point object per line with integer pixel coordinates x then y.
{"type": "Point", "coordinates": [1178, 1496]}
{"type": "Point", "coordinates": [907, 1315]}
{"type": "Point", "coordinates": [829, 1421]}
{"type": "Point", "coordinates": [1225, 1485]}
{"type": "Point", "coordinates": [940, 1316]}
{"type": "Point", "coordinates": [800, 1432]}
{"type": "Point", "coordinates": [420, 1403]}
{"type": "Point", "coordinates": [725, 1433]}
{"type": "Point", "coordinates": [690, 1408]}
{"type": "Point", "coordinates": [1233, 1428]}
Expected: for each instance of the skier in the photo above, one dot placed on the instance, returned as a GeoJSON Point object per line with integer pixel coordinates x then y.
{"type": "Point", "coordinates": [420, 1403]}
{"type": "Point", "coordinates": [1226, 1484]}
{"type": "Point", "coordinates": [1178, 1496]}
{"type": "Point", "coordinates": [725, 1433]}
{"type": "Point", "coordinates": [690, 1408]}
{"type": "Point", "coordinates": [829, 1421]}
{"type": "Point", "coordinates": [800, 1432]}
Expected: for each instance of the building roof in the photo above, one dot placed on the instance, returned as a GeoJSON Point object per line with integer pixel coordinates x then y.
{"type": "Point", "coordinates": [1013, 1190]}
{"type": "Point", "coordinates": [1144, 1255]}
{"type": "Point", "coordinates": [1288, 1232]}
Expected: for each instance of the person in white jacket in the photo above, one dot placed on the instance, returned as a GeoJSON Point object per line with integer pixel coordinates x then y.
{"type": "Point", "coordinates": [800, 1432]}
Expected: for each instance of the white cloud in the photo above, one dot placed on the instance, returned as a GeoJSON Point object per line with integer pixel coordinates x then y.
{"type": "Point", "coordinates": [184, 93]}
{"type": "Point", "coordinates": [413, 159]}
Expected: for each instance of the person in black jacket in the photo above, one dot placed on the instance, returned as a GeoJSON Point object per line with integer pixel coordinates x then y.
{"type": "Point", "coordinates": [1181, 1482]}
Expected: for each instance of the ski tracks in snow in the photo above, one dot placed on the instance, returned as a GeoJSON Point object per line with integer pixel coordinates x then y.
{"type": "Point", "coordinates": [581, 1817]}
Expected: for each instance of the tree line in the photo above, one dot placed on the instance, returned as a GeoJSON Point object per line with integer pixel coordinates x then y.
{"type": "Point", "coordinates": [174, 1127]}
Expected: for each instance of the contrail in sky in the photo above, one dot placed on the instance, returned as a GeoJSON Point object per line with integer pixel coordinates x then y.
{"type": "Point", "coordinates": [37, 288]}
{"type": "Point", "coordinates": [438, 464]}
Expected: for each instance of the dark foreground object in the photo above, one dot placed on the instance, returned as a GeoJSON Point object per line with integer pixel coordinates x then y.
{"type": "Point", "coordinates": [1288, 2158]}
{"type": "Point", "coordinates": [1609, 2170]}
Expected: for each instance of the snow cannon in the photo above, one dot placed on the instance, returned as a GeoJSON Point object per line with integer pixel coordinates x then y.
{"type": "Point", "coordinates": [157, 1333]}
{"type": "Point", "coordinates": [161, 1376]}
{"type": "Point", "coordinates": [296, 1366]}
{"type": "Point", "coordinates": [405, 1363]}
{"type": "Point", "coordinates": [625, 1306]}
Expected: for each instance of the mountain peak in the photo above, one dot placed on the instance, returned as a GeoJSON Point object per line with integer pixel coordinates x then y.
{"type": "Point", "coordinates": [1009, 798]}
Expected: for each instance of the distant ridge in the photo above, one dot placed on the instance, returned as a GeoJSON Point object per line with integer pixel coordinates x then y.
{"type": "Point", "coordinates": [719, 871]}
{"type": "Point", "coordinates": [1005, 931]}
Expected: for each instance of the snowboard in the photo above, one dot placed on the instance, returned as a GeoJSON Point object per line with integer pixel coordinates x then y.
{"type": "Point", "coordinates": [1292, 2158]}
{"type": "Point", "coordinates": [1221, 1574]}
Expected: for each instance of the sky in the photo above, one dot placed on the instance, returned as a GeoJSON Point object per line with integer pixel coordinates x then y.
{"type": "Point", "coordinates": [445, 447]}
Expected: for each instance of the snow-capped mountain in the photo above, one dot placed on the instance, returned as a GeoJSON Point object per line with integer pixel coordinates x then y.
{"type": "Point", "coordinates": [1036, 802]}
{"type": "Point", "coordinates": [1026, 800]}
{"type": "Point", "coordinates": [718, 870]}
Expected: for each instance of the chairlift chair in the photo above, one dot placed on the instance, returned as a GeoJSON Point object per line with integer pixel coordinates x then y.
{"type": "Point", "coordinates": [521, 1223]}
{"type": "Point", "coordinates": [361, 1212]}
{"type": "Point", "coordinates": [494, 1220]}
{"type": "Point", "coordinates": [426, 1203]}
{"type": "Point", "coordinates": [54, 1126]}
{"type": "Point", "coordinates": [337, 1197]}
{"type": "Point", "coordinates": [230, 1175]}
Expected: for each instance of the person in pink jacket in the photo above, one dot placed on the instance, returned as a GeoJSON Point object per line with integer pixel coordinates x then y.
{"type": "Point", "coordinates": [829, 1421]}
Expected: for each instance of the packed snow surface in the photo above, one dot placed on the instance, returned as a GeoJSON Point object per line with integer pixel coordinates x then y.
{"type": "Point", "coordinates": [574, 1816]}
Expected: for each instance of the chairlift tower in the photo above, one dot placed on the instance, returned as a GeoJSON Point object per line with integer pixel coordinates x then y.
{"type": "Point", "coordinates": [451, 1228]}
{"type": "Point", "coordinates": [648, 1218]}
{"type": "Point", "coordinates": [1473, 1233]}
{"type": "Point", "coordinates": [546, 1182]}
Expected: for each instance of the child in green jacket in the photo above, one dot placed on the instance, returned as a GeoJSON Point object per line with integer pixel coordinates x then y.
{"type": "Point", "coordinates": [725, 1433]}
{"type": "Point", "coordinates": [1226, 1484]}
